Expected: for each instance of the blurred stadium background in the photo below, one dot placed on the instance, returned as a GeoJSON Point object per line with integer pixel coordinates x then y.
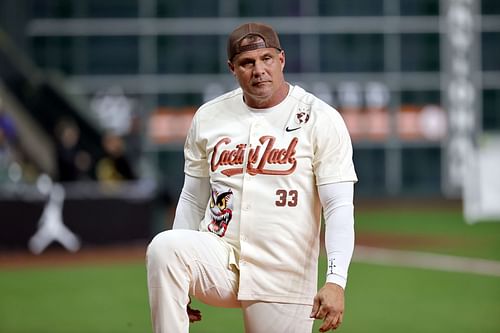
{"type": "Point", "coordinates": [85, 81]}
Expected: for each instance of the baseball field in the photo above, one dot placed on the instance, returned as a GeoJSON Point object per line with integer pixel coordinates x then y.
{"type": "Point", "coordinates": [415, 269]}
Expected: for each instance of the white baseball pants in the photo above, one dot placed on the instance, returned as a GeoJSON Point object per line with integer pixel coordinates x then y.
{"type": "Point", "coordinates": [187, 262]}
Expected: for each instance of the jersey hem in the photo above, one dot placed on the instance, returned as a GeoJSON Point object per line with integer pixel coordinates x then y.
{"type": "Point", "coordinates": [276, 299]}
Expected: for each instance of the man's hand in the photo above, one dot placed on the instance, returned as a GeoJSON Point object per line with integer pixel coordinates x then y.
{"type": "Point", "coordinates": [329, 306]}
{"type": "Point", "coordinates": [193, 314]}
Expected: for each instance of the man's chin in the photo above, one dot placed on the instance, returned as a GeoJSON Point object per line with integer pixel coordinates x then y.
{"type": "Point", "coordinates": [262, 90]}
{"type": "Point", "coordinates": [261, 96]}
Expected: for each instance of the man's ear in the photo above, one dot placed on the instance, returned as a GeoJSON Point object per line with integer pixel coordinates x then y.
{"type": "Point", "coordinates": [282, 59]}
{"type": "Point", "coordinates": [231, 66]}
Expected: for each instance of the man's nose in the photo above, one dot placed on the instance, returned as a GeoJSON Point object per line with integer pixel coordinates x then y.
{"type": "Point", "coordinates": [259, 68]}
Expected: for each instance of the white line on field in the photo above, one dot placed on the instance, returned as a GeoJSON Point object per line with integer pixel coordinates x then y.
{"type": "Point", "coordinates": [424, 260]}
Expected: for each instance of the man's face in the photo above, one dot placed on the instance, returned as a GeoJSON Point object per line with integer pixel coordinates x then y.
{"type": "Point", "coordinates": [260, 74]}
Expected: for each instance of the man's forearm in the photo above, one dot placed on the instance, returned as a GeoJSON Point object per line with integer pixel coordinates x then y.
{"type": "Point", "coordinates": [338, 210]}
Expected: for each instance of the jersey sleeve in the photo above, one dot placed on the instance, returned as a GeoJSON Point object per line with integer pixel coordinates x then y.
{"type": "Point", "coordinates": [192, 203]}
{"type": "Point", "coordinates": [332, 160]}
{"type": "Point", "coordinates": [195, 154]}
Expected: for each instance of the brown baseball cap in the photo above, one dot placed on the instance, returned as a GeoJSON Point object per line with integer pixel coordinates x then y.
{"type": "Point", "coordinates": [264, 31]}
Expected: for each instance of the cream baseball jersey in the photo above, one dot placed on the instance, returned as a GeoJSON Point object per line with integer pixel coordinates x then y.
{"type": "Point", "coordinates": [264, 167]}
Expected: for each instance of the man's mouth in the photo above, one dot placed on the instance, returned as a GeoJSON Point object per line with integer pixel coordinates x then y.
{"type": "Point", "coordinates": [260, 83]}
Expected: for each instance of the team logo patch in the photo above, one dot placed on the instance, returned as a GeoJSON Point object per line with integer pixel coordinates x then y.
{"type": "Point", "coordinates": [301, 117]}
{"type": "Point", "coordinates": [221, 211]}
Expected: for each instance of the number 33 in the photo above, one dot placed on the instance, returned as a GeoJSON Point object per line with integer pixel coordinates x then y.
{"type": "Point", "coordinates": [287, 198]}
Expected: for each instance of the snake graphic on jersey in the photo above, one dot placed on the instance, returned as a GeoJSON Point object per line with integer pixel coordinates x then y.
{"type": "Point", "coordinates": [221, 211]}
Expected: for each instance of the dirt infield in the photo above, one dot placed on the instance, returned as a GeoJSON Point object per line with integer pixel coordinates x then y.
{"type": "Point", "coordinates": [57, 256]}
{"type": "Point", "coordinates": [128, 253]}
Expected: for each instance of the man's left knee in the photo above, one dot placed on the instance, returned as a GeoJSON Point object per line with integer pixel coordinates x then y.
{"type": "Point", "coordinates": [167, 248]}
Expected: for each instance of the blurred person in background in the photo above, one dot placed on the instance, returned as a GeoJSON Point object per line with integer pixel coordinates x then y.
{"type": "Point", "coordinates": [73, 162]}
{"type": "Point", "coordinates": [14, 167]}
{"type": "Point", "coordinates": [260, 163]}
{"type": "Point", "coordinates": [7, 125]}
{"type": "Point", "coordinates": [114, 166]}
{"type": "Point", "coordinates": [7, 157]}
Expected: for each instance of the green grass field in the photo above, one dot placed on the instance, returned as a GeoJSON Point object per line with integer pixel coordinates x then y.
{"type": "Point", "coordinates": [113, 298]}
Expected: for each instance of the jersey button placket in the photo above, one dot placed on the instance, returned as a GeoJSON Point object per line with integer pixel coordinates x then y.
{"type": "Point", "coordinates": [253, 142]}
{"type": "Point", "coordinates": [246, 205]}
{"type": "Point", "coordinates": [254, 133]}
